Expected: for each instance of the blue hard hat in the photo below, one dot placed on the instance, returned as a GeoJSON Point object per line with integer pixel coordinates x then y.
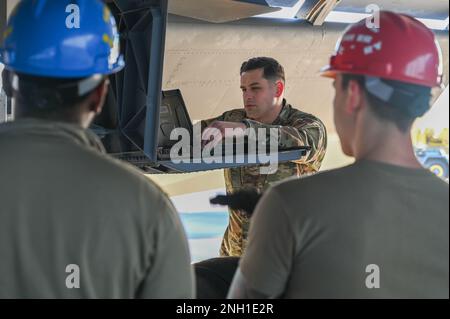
{"type": "Point", "coordinates": [62, 39]}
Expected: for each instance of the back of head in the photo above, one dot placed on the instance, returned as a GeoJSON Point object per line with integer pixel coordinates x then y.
{"type": "Point", "coordinates": [46, 97]}
{"type": "Point", "coordinates": [56, 53]}
{"type": "Point", "coordinates": [407, 102]}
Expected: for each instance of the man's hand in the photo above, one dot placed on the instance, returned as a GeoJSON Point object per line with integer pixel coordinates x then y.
{"type": "Point", "coordinates": [218, 130]}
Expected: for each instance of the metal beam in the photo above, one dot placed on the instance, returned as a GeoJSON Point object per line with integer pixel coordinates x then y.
{"type": "Point", "coordinates": [3, 98]}
{"type": "Point", "coordinates": [3, 18]}
{"type": "Point", "coordinates": [218, 11]}
{"type": "Point", "coordinates": [430, 9]}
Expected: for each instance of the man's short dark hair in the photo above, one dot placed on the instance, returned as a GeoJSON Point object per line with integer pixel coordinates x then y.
{"type": "Point", "coordinates": [273, 70]}
{"type": "Point", "coordinates": [44, 97]}
{"type": "Point", "coordinates": [402, 111]}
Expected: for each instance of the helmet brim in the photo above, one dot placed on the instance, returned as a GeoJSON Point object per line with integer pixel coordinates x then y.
{"type": "Point", "coordinates": [328, 72]}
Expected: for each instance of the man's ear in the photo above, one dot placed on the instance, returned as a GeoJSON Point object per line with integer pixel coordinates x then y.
{"type": "Point", "coordinates": [355, 96]}
{"type": "Point", "coordinates": [280, 88]}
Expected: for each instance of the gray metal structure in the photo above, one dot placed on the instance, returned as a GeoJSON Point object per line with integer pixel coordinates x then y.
{"type": "Point", "coordinates": [130, 119]}
{"type": "Point", "coordinates": [3, 97]}
{"type": "Point", "coordinates": [129, 124]}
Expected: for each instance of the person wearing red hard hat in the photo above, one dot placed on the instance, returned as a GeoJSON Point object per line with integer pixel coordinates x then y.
{"type": "Point", "coordinates": [407, 53]}
{"type": "Point", "coordinates": [381, 226]}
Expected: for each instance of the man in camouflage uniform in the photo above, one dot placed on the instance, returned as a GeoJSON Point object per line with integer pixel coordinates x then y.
{"type": "Point", "coordinates": [262, 84]}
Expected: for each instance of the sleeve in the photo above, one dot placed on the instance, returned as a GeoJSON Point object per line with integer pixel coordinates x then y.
{"type": "Point", "coordinates": [170, 274]}
{"type": "Point", "coordinates": [268, 259]}
{"type": "Point", "coordinates": [302, 131]}
{"type": "Point", "coordinates": [206, 123]}
{"type": "Point", "coordinates": [240, 290]}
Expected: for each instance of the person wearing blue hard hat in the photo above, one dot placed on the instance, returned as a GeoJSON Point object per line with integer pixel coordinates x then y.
{"type": "Point", "coordinates": [63, 40]}
{"type": "Point", "coordinates": [61, 46]}
{"type": "Point", "coordinates": [74, 222]}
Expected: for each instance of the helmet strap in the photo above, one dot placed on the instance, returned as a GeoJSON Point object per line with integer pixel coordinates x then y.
{"type": "Point", "coordinates": [88, 84]}
{"type": "Point", "coordinates": [412, 99]}
{"type": "Point", "coordinates": [81, 87]}
{"type": "Point", "coordinates": [378, 88]}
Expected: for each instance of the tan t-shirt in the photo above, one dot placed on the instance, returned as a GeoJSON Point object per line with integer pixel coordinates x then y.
{"type": "Point", "coordinates": [343, 233]}
{"type": "Point", "coordinates": [69, 212]}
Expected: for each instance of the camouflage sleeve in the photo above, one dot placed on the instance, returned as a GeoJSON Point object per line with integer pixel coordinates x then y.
{"type": "Point", "coordinates": [303, 131]}
{"type": "Point", "coordinates": [208, 122]}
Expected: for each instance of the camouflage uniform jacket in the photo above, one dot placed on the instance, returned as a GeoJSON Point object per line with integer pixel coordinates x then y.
{"type": "Point", "coordinates": [296, 128]}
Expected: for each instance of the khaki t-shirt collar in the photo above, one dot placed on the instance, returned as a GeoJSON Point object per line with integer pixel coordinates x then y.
{"type": "Point", "coordinates": [37, 127]}
{"type": "Point", "coordinates": [392, 169]}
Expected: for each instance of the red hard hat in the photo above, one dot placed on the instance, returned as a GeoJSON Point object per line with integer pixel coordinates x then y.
{"type": "Point", "coordinates": [401, 49]}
